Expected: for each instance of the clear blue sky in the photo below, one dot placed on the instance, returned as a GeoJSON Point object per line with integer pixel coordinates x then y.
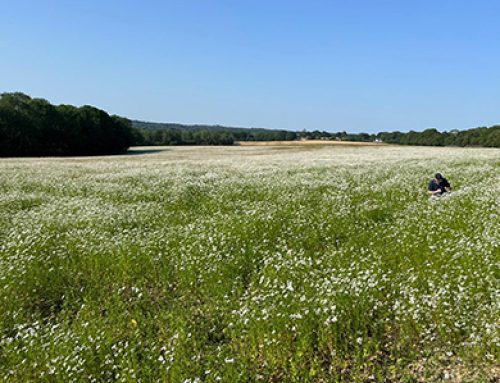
{"type": "Point", "coordinates": [360, 65]}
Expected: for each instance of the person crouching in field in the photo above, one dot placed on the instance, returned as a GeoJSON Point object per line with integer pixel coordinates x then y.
{"type": "Point", "coordinates": [438, 186]}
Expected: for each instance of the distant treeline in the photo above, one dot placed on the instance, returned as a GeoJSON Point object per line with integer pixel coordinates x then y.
{"type": "Point", "coordinates": [177, 134]}
{"type": "Point", "coordinates": [34, 127]}
{"type": "Point", "coordinates": [152, 133]}
{"type": "Point", "coordinates": [489, 137]}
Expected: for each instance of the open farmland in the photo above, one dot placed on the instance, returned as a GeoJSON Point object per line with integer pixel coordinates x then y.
{"type": "Point", "coordinates": [250, 264]}
{"type": "Point", "coordinates": [308, 142]}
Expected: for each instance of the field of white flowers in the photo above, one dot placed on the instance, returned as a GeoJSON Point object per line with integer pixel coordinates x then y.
{"type": "Point", "coordinates": [250, 264]}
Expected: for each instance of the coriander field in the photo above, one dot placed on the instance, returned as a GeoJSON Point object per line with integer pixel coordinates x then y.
{"type": "Point", "coordinates": [251, 264]}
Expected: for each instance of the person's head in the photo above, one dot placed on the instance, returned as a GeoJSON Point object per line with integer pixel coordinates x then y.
{"type": "Point", "coordinates": [438, 177]}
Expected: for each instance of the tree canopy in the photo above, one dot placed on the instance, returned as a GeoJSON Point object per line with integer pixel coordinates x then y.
{"type": "Point", "coordinates": [489, 137]}
{"type": "Point", "coordinates": [34, 127]}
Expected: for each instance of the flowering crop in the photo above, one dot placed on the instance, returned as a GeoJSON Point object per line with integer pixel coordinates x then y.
{"type": "Point", "coordinates": [243, 264]}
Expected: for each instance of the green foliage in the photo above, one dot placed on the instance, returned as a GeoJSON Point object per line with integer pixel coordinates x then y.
{"type": "Point", "coordinates": [148, 133]}
{"type": "Point", "coordinates": [178, 134]}
{"type": "Point", "coordinates": [34, 127]}
{"type": "Point", "coordinates": [182, 137]}
{"type": "Point", "coordinates": [487, 137]}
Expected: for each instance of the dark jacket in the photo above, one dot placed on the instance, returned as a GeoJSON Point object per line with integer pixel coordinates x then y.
{"type": "Point", "coordinates": [434, 186]}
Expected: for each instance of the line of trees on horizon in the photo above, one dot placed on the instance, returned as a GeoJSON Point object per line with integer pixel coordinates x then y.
{"type": "Point", "coordinates": [34, 127]}
{"type": "Point", "coordinates": [482, 136]}
{"type": "Point", "coordinates": [206, 135]}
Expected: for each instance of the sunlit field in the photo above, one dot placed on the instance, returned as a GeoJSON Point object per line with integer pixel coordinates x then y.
{"type": "Point", "coordinates": [250, 264]}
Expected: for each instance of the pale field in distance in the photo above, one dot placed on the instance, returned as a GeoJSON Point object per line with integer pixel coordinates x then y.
{"type": "Point", "coordinates": [250, 264]}
{"type": "Point", "coordinates": [307, 142]}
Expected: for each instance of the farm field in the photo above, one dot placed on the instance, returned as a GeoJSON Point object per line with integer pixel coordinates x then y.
{"type": "Point", "coordinates": [308, 142]}
{"type": "Point", "coordinates": [250, 264]}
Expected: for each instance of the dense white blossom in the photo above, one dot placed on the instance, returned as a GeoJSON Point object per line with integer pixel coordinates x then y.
{"type": "Point", "coordinates": [235, 264]}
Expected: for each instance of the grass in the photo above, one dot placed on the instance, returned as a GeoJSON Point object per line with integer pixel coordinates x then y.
{"type": "Point", "coordinates": [245, 264]}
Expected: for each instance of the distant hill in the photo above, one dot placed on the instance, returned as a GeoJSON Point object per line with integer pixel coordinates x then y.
{"type": "Point", "coordinates": [197, 127]}
{"type": "Point", "coordinates": [155, 133]}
